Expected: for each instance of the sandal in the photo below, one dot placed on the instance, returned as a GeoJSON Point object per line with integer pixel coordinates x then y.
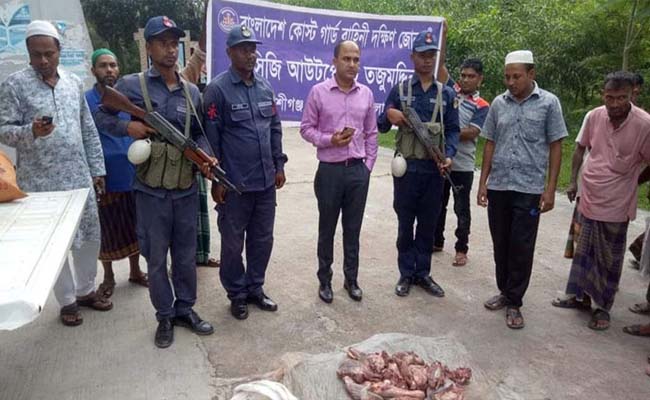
{"type": "Point", "coordinates": [514, 319]}
{"type": "Point", "coordinates": [106, 289]}
{"type": "Point", "coordinates": [597, 318]}
{"type": "Point", "coordinates": [460, 260]}
{"type": "Point", "coordinates": [572, 302]}
{"type": "Point", "coordinates": [212, 263]}
{"type": "Point", "coordinates": [71, 316]}
{"type": "Point", "coordinates": [95, 301]}
{"type": "Point", "coordinates": [142, 280]}
{"type": "Point", "coordinates": [641, 308]}
{"type": "Point", "coordinates": [637, 330]}
{"type": "Point", "coordinates": [496, 302]}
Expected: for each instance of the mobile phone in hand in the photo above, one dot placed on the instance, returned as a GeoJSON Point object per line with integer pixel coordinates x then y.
{"type": "Point", "coordinates": [47, 120]}
{"type": "Point", "coordinates": [347, 131]}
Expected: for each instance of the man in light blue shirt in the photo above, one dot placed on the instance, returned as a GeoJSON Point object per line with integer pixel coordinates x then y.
{"type": "Point", "coordinates": [524, 131]}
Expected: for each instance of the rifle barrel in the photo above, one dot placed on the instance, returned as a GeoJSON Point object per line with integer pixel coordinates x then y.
{"type": "Point", "coordinates": [115, 100]}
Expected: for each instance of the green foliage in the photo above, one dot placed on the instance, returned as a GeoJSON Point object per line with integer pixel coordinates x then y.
{"type": "Point", "coordinates": [113, 23]}
{"type": "Point", "coordinates": [387, 139]}
{"type": "Point", "coordinates": [575, 42]}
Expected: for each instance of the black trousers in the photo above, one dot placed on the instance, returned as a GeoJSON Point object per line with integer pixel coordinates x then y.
{"type": "Point", "coordinates": [513, 218]}
{"type": "Point", "coordinates": [464, 180]}
{"type": "Point", "coordinates": [416, 200]}
{"type": "Point", "coordinates": [340, 189]}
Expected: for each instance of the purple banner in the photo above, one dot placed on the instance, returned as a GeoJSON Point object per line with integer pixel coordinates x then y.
{"type": "Point", "coordinates": [298, 45]}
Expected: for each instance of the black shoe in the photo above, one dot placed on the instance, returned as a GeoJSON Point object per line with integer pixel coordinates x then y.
{"type": "Point", "coordinates": [164, 333]}
{"type": "Point", "coordinates": [194, 323]}
{"type": "Point", "coordinates": [239, 309]}
{"type": "Point", "coordinates": [354, 291]}
{"type": "Point", "coordinates": [325, 293]}
{"type": "Point", "coordinates": [263, 302]}
{"type": "Point", "coordinates": [431, 287]}
{"type": "Point", "coordinates": [403, 287]}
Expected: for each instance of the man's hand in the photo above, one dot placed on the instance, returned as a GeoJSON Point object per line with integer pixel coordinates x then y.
{"type": "Point", "coordinates": [547, 202]}
{"type": "Point", "coordinates": [218, 193]}
{"type": "Point", "coordinates": [280, 179]}
{"type": "Point", "coordinates": [572, 191]}
{"type": "Point", "coordinates": [138, 130]}
{"type": "Point", "coordinates": [342, 138]}
{"type": "Point", "coordinates": [445, 166]}
{"type": "Point", "coordinates": [481, 197]}
{"type": "Point", "coordinates": [206, 168]}
{"type": "Point", "coordinates": [99, 183]}
{"type": "Point", "coordinates": [396, 117]}
{"type": "Point", "coordinates": [40, 128]}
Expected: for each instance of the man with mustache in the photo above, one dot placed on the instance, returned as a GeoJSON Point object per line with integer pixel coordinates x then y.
{"type": "Point", "coordinates": [245, 132]}
{"type": "Point", "coordinates": [617, 135]}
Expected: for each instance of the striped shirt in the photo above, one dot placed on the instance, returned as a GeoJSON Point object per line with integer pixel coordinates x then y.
{"type": "Point", "coordinates": [472, 110]}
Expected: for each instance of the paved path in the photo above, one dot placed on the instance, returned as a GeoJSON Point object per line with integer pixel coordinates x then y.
{"type": "Point", "coordinates": [112, 356]}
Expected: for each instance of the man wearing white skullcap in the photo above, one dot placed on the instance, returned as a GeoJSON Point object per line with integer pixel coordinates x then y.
{"type": "Point", "coordinates": [524, 131]}
{"type": "Point", "coordinates": [46, 118]}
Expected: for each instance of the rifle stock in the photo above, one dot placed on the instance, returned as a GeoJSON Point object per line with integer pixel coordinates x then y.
{"type": "Point", "coordinates": [115, 100]}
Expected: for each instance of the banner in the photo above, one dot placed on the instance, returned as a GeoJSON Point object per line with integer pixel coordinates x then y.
{"type": "Point", "coordinates": [298, 46]}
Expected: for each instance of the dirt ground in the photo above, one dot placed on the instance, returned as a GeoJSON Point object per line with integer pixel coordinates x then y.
{"type": "Point", "coordinates": [555, 357]}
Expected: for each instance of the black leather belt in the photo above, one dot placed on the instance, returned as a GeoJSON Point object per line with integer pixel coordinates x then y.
{"type": "Point", "coordinates": [347, 163]}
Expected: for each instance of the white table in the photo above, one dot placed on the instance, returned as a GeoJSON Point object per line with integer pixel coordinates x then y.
{"type": "Point", "coordinates": [35, 236]}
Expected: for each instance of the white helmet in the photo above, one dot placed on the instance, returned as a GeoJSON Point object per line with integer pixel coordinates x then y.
{"type": "Point", "coordinates": [398, 166]}
{"type": "Point", "coordinates": [139, 151]}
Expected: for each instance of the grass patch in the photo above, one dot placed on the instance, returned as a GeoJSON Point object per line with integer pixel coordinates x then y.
{"type": "Point", "coordinates": [388, 140]}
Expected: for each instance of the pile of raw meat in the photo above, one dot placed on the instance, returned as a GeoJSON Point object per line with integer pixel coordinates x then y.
{"type": "Point", "coordinates": [402, 376]}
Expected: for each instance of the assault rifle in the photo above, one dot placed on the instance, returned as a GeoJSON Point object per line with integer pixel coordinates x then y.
{"type": "Point", "coordinates": [422, 133]}
{"type": "Point", "coordinates": [115, 100]}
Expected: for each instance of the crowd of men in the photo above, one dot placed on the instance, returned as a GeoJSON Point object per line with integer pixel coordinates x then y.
{"type": "Point", "coordinates": [66, 139]}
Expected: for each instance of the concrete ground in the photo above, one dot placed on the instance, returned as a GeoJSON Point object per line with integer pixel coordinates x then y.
{"type": "Point", "coordinates": [112, 355]}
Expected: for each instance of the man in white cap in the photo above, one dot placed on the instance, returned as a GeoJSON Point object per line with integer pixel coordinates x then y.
{"type": "Point", "coordinates": [524, 131]}
{"type": "Point", "coordinates": [44, 115]}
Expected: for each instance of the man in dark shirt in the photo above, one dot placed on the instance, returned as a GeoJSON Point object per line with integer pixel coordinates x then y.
{"type": "Point", "coordinates": [418, 194]}
{"type": "Point", "coordinates": [166, 191]}
{"type": "Point", "coordinates": [245, 131]}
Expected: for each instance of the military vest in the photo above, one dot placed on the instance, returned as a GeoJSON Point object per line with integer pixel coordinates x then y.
{"type": "Point", "coordinates": [166, 167]}
{"type": "Point", "coordinates": [406, 141]}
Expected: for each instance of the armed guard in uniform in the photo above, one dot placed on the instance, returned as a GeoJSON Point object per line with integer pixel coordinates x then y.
{"type": "Point", "coordinates": [166, 191]}
{"type": "Point", "coordinates": [418, 190]}
{"type": "Point", "coordinates": [245, 132]}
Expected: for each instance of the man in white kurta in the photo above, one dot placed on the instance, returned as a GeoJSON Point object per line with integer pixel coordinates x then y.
{"type": "Point", "coordinates": [44, 116]}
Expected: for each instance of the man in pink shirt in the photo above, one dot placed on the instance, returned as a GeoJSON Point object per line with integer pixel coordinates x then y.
{"type": "Point", "coordinates": [618, 138]}
{"type": "Point", "coordinates": [340, 121]}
